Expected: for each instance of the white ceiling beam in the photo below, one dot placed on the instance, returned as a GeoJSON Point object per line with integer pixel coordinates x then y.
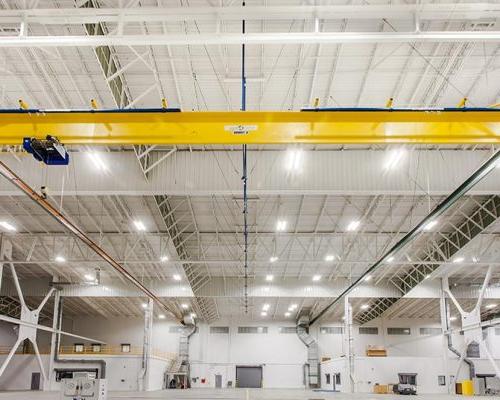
{"type": "Point", "coordinates": [213, 38]}
{"type": "Point", "coordinates": [444, 11]}
{"type": "Point", "coordinates": [343, 173]}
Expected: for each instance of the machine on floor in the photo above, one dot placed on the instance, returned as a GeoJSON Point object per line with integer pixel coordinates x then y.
{"type": "Point", "coordinates": [83, 386]}
{"type": "Point", "coordinates": [407, 384]}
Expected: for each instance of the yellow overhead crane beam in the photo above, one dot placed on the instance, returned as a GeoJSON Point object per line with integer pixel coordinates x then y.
{"type": "Point", "coordinates": [316, 126]}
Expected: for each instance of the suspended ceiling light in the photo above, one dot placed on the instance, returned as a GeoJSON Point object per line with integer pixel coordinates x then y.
{"type": "Point", "coordinates": [273, 259]}
{"type": "Point", "coordinates": [329, 257]}
{"type": "Point", "coordinates": [59, 259]}
{"type": "Point", "coordinates": [458, 260]}
{"type": "Point", "coordinates": [316, 278]}
{"type": "Point", "coordinates": [164, 258]}
{"type": "Point", "coordinates": [176, 277]}
{"type": "Point", "coordinates": [263, 313]}
{"type": "Point", "coordinates": [269, 278]}
{"type": "Point", "coordinates": [365, 306]}
{"type": "Point", "coordinates": [294, 158]}
{"type": "Point", "coordinates": [144, 305]}
{"type": "Point", "coordinates": [265, 307]}
{"type": "Point", "coordinates": [353, 225]}
{"type": "Point", "coordinates": [453, 318]}
{"type": "Point", "coordinates": [292, 307]}
{"type": "Point", "coordinates": [281, 225]}
{"type": "Point", "coordinates": [97, 161]}
{"type": "Point", "coordinates": [430, 225]}
{"type": "Point", "coordinates": [89, 277]}
{"type": "Point", "coordinates": [390, 259]}
{"type": "Point", "coordinates": [184, 306]}
{"type": "Point", "coordinates": [161, 316]}
{"type": "Point", "coordinates": [7, 226]}
{"type": "Point", "coordinates": [393, 158]}
{"type": "Point", "coordinates": [368, 278]}
{"type": "Point", "coordinates": [287, 314]}
{"type": "Point", "coordinates": [139, 225]}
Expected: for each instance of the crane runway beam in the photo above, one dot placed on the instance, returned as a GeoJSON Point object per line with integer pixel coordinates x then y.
{"type": "Point", "coordinates": [315, 126]}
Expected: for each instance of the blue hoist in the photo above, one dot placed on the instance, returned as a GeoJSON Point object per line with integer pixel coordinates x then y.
{"type": "Point", "coordinates": [49, 150]}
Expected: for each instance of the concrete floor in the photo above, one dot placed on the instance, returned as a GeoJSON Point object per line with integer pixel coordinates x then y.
{"type": "Point", "coordinates": [231, 394]}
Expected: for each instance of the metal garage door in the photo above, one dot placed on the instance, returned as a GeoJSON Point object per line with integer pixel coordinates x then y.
{"type": "Point", "coordinates": [249, 377]}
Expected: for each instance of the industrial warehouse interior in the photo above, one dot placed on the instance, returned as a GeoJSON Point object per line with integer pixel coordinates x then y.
{"type": "Point", "coordinates": [260, 200]}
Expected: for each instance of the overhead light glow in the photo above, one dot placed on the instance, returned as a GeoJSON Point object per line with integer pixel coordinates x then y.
{"type": "Point", "coordinates": [265, 307]}
{"type": "Point", "coordinates": [184, 306]}
{"type": "Point", "coordinates": [365, 306]}
{"type": "Point", "coordinates": [393, 158]}
{"type": "Point", "coordinates": [193, 315]}
{"type": "Point", "coordinates": [390, 259]}
{"type": "Point", "coordinates": [139, 225]}
{"type": "Point", "coordinates": [281, 225]}
{"type": "Point", "coordinates": [89, 277]}
{"type": "Point", "coordinates": [60, 259]}
{"type": "Point", "coordinates": [490, 306]}
{"type": "Point", "coordinates": [161, 316]}
{"type": "Point", "coordinates": [273, 259]}
{"type": "Point", "coordinates": [292, 307]}
{"type": "Point", "coordinates": [263, 313]}
{"type": "Point", "coordinates": [287, 314]}
{"type": "Point", "coordinates": [7, 226]}
{"type": "Point", "coordinates": [164, 258]}
{"type": "Point", "coordinates": [294, 159]}
{"type": "Point", "coordinates": [475, 259]}
{"type": "Point", "coordinates": [106, 288]}
{"type": "Point", "coordinates": [269, 278]}
{"type": "Point", "coordinates": [427, 276]}
{"type": "Point", "coordinates": [329, 257]}
{"type": "Point", "coordinates": [453, 318]}
{"type": "Point", "coordinates": [316, 278]}
{"type": "Point", "coordinates": [458, 260]}
{"type": "Point", "coordinates": [430, 225]}
{"type": "Point", "coordinates": [97, 161]}
{"type": "Point", "coordinates": [353, 225]}
{"type": "Point", "coordinates": [176, 277]}
{"type": "Point", "coordinates": [144, 305]}
{"type": "Point", "coordinates": [368, 278]}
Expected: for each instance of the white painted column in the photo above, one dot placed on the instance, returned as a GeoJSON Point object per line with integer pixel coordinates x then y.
{"type": "Point", "coordinates": [147, 345]}
{"type": "Point", "coordinates": [349, 350]}
{"type": "Point", "coordinates": [444, 313]}
{"type": "Point", "coordinates": [5, 254]}
{"type": "Point", "coordinates": [55, 321]}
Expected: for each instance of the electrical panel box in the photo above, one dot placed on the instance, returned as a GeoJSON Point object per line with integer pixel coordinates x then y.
{"type": "Point", "coordinates": [84, 388]}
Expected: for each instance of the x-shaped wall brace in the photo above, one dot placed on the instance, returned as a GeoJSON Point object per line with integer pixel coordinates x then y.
{"type": "Point", "coordinates": [471, 323]}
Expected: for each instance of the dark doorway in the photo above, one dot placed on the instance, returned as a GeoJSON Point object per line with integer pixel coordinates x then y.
{"type": "Point", "coordinates": [249, 377]}
{"type": "Point", "coordinates": [35, 381]}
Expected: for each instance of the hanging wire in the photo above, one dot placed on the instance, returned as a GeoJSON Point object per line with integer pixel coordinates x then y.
{"type": "Point", "coordinates": [245, 176]}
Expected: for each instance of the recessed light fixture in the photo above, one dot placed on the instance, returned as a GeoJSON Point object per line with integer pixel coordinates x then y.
{"type": "Point", "coordinates": [393, 158]}
{"type": "Point", "coordinates": [287, 314]}
{"type": "Point", "coordinates": [176, 277]}
{"type": "Point", "coordinates": [139, 225]}
{"type": "Point", "coordinates": [294, 159]}
{"type": "Point", "coordinates": [60, 259]}
{"type": "Point", "coordinates": [281, 225]}
{"type": "Point", "coordinates": [365, 306]}
{"type": "Point", "coordinates": [193, 315]}
{"type": "Point", "coordinates": [89, 277]}
{"type": "Point", "coordinates": [292, 307]}
{"type": "Point", "coordinates": [184, 306]}
{"type": "Point", "coordinates": [144, 305]}
{"type": "Point", "coordinates": [458, 260]}
{"type": "Point", "coordinates": [368, 278]}
{"type": "Point", "coordinates": [453, 318]}
{"type": "Point", "coordinates": [316, 278]}
{"type": "Point", "coordinates": [164, 258]}
{"type": "Point", "coordinates": [329, 257]}
{"type": "Point", "coordinates": [161, 316]}
{"type": "Point", "coordinates": [7, 226]}
{"type": "Point", "coordinates": [353, 225]}
{"type": "Point", "coordinates": [269, 278]}
{"type": "Point", "coordinates": [490, 306]}
{"type": "Point", "coordinates": [97, 161]}
{"type": "Point", "coordinates": [265, 307]}
{"type": "Point", "coordinates": [263, 313]}
{"type": "Point", "coordinates": [429, 225]}
{"type": "Point", "coordinates": [390, 259]}
{"type": "Point", "coordinates": [273, 259]}
{"type": "Point", "coordinates": [475, 259]}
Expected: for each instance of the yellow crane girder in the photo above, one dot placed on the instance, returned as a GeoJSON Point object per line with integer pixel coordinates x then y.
{"type": "Point", "coordinates": [171, 127]}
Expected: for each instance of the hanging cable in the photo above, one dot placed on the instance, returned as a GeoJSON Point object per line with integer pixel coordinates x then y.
{"type": "Point", "coordinates": [245, 176]}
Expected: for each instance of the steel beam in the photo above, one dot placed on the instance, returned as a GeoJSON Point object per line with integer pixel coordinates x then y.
{"type": "Point", "coordinates": [339, 126]}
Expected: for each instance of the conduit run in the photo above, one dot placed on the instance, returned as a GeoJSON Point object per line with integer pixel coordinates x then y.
{"type": "Point", "coordinates": [11, 176]}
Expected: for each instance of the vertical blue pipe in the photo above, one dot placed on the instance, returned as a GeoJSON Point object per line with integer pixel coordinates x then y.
{"type": "Point", "coordinates": [245, 177]}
